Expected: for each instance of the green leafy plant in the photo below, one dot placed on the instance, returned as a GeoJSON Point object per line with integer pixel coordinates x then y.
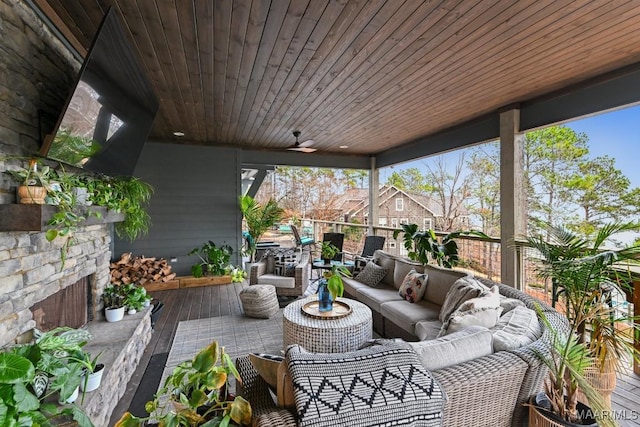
{"type": "Point", "coordinates": [114, 296]}
{"type": "Point", "coordinates": [198, 393]}
{"type": "Point", "coordinates": [328, 250]}
{"type": "Point", "coordinates": [34, 174]}
{"type": "Point", "coordinates": [334, 279]}
{"type": "Point", "coordinates": [259, 218]}
{"type": "Point", "coordinates": [135, 296]}
{"type": "Point", "coordinates": [31, 373]}
{"type": "Point", "coordinates": [237, 273]}
{"type": "Point", "coordinates": [425, 246]}
{"type": "Point", "coordinates": [214, 259]}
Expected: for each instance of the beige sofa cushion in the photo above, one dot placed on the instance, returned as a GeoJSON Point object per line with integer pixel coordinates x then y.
{"type": "Point", "coordinates": [373, 297]}
{"type": "Point", "coordinates": [351, 286]}
{"type": "Point", "coordinates": [440, 280]}
{"type": "Point", "coordinates": [277, 281]}
{"type": "Point", "coordinates": [406, 315]}
{"type": "Point", "coordinates": [387, 261]}
{"type": "Point", "coordinates": [470, 343]}
{"type": "Point", "coordinates": [427, 329]}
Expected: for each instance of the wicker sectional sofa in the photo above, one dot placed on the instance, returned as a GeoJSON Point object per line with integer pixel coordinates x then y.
{"type": "Point", "coordinates": [489, 390]}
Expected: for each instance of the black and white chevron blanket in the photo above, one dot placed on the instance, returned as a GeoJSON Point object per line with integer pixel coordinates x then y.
{"type": "Point", "coordinates": [383, 385]}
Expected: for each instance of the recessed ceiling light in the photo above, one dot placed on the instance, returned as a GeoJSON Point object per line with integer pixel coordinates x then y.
{"type": "Point", "coordinates": [178, 133]}
{"type": "Point", "coordinates": [344, 146]}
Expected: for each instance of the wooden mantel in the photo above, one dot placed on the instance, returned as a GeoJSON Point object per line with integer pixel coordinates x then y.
{"type": "Point", "coordinates": [24, 217]}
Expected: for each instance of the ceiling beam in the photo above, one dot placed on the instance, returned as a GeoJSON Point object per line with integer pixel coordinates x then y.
{"type": "Point", "coordinates": [318, 160]}
{"type": "Point", "coordinates": [610, 91]}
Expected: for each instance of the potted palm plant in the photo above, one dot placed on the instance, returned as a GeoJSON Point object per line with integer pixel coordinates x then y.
{"type": "Point", "coordinates": [259, 218]}
{"type": "Point", "coordinates": [585, 276]}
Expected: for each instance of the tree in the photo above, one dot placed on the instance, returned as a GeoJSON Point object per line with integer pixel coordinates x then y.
{"type": "Point", "coordinates": [354, 178]}
{"type": "Point", "coordinates": [484, 186]}
{"type": "Point", "coordinates": [603, 195]}
{"type": "Point", "coordinates": [410, 180]}
{"type": "Point", "coordinates": [551, 160]}
{"type": "Point", "coordinates": [451, 190]}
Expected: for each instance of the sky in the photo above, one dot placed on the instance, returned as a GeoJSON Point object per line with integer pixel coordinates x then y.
{"type": "Point", "coordinates": [616, 134]}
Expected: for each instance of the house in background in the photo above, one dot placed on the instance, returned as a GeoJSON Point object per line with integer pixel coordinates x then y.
{"type": "Point", "coordinates": [397, 207]}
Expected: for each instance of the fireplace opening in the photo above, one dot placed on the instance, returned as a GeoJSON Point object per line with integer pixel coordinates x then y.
{"type": "Point", "coordinates": [71, 306]}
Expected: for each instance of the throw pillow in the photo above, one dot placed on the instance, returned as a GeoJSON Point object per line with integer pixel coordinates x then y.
{"type": "Point", "coordinates": [462, 290]}
{"type": "Point", "coordinates": [515, 329]}
{"type": "Point", "coordinates": [372, 274]}
{"type": "Point", "coordinates": [484, 311]}
{"type": "Point", "coordinates": [413, 286]}
{"type": "Point", "coordinates": [267, 367]}
{"type": "Point", "coordinates": [380, 385]}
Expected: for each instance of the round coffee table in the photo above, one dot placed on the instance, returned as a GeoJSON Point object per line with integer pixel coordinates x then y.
{"type": "Point", "coordinates": [327, 335]}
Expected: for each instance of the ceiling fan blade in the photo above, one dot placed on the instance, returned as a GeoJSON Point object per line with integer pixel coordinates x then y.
{"type": "Point", "coordinates": [307, 143]}
{"type": "Point", "coordinates": [301, 149]}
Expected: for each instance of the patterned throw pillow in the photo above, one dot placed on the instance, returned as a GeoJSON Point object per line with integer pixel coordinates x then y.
{"type": "Point", "coordinates": [413, 286]}
{"type": "Point", "coordinates": [372, 274]}
{"type": "Point", "coordinates": [379, 385]}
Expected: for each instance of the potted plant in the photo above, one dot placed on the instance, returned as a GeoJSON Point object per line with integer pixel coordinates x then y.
{"type": "Point", "coordinates": [36, 371]}
{"type": "Point", "coordinates": [214, 259]}
{"type": "Point", "coordinates": [585, 277]}
{"type": "Point", "coordinates": [258, 218]}
{"type": "Point", "coordinates": [134, 298]}
{"type": "Point", "coordinates": [34, 181]}
{"type": "Point", "coordinates": [558, 404]}
{"type": "Point", "coordinates": [424, 246]}
{"type": "Point", "coordinates": [113, 298]}
{"type": "Point", "coordinates": [331, 286]}
{"type": "Point", "coordinates": [328, 251]}
{"type": "Point", "coordinates": [91, 370]}
{"type": "Point", "coordinates": [198, 395]}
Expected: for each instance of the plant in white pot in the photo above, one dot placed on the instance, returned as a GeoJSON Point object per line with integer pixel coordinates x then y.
{"type": "Point", "coordinates": [114, 297]}
{"type": "Point", "coordinates": [91, 370]}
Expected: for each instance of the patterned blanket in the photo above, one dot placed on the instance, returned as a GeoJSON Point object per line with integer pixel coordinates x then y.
{"type": "Point", "coordinates": [382, 385]}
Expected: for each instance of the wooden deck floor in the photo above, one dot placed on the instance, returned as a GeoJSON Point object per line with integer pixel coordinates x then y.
{"type": "Point", "coordinates": [214, 301]}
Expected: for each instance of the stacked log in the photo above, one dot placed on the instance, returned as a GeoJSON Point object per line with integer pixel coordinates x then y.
{"type": "Point", "coordinates": [140, 270]}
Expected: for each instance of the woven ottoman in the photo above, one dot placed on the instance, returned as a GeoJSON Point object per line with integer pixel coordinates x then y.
{"type": "Point", "coordinates": [259, 301]}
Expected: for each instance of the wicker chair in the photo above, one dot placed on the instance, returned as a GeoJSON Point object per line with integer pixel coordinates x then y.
{"type": "Point", "coordinates": [285, 286]}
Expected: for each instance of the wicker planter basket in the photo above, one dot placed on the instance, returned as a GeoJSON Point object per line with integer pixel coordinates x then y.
{"type": "Point", "coordinates": [602, 380]}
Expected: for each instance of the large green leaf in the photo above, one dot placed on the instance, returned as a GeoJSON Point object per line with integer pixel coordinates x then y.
{"type": "Point", "coordinates": [25, 400]}
{"type": "Point", "coordinates": [15, 369]}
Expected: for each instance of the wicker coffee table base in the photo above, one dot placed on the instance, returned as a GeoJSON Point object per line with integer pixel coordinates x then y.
{"type": "Point", "coordinates": [327, 335]}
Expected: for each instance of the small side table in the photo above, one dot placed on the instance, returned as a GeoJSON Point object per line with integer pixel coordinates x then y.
{"type": "Point", "coordinates": [327, 335]}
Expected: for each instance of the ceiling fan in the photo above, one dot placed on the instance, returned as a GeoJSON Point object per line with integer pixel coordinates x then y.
{"type": "Point", "coordinates": [303, 147]}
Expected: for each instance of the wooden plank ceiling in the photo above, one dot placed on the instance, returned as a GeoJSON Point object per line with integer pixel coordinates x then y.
{"type": "Point", "coordinates": [369, 75]}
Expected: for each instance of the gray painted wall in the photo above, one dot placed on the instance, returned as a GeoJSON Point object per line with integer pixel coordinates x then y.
{"type": "Point", "coordinates": [195, 200]}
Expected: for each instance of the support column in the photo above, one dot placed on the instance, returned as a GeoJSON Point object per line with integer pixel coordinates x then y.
{"type": "Point", "coordinates": [374, 193]}
{"type": "Point", "coordinates": [512, 198]}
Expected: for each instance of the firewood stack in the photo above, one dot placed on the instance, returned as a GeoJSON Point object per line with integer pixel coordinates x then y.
{"type": "Point", "coordinates": [140, 270]}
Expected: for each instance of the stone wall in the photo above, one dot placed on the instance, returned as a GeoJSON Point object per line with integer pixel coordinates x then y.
{"type": "Point", "coordinates": [36, 76]}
